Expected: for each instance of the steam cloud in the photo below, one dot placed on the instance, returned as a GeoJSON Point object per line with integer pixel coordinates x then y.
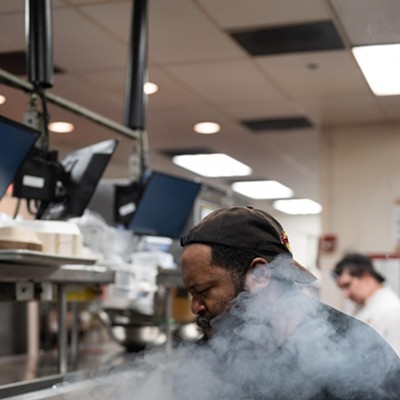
{"type": "Point", "coordinates": [274, 343]}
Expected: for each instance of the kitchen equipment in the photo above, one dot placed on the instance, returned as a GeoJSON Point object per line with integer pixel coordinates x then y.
{"type": "Point", "coordinates": [131, 329]}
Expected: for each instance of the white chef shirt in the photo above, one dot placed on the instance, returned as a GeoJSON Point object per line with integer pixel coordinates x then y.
{"type": "Point", "coordinates": [382, 312]}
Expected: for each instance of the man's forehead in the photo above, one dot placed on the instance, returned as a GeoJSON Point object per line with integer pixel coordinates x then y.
{"type": "Point", "coordinates": [344, 279]}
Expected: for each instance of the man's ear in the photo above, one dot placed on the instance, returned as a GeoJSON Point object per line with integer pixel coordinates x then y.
{"type": "Point", "coordinates": [258, 274]}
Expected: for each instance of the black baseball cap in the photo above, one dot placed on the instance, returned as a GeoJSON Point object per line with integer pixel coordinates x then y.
{"type": "Point", "coordinates": [248, 228]}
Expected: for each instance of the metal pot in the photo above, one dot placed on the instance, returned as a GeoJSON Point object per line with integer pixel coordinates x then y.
{"type": "Point", "coordinates": [136, 332]}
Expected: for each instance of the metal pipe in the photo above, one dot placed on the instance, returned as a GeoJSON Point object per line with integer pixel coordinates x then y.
{"type": "Point", "coordinates": [74, 334]}
{"type": "Point", "coordinates": [39, 43]}
{"type": "Point", "coordinates": [168, 317]}
{"type": "Point", "coordinates": [135, 98]}
{"type": "Point", "coordinates": [62, 328]}
{"type": "Point", "coordinates": [14, 81]}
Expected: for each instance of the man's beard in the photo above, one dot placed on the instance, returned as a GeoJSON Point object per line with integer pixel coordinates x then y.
{"type": "Point", "coordinates": [206, 323]}
{"type": "Point", "coordinates": [202, 322]}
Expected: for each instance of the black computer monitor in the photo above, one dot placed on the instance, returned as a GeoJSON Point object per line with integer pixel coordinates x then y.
{"type": "Point", "coordinates": [16, 141]}
{"type": "Point", "coordinates": [86, 167]}
{"type": "Point", "coordinates": [164, 206]}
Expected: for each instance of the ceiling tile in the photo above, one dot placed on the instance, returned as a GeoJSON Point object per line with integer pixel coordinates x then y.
{"type": "Point", "coordinates": [86, 46]}
{"type": "Point", "coordinates": [369, 21]}
{"type": "Point", "coordinates": [172, 93]}
{"type": "Point", "coordinates": [12, 32]}
{"type": "Point", "coordinates": [80, 92]}
{"type": "Point", "coordinates": [226, 82]}
{"type": "Point", "coordinates": [315, 74]}
{"type": "Point", "coordinates": [11, 6]}
{"type": "Point", "coordinates": [390, 106]}
{"type": "Point", "coordinates": [261, 109]}
{"type": "Point", "coordinates": [114, 17]}
{"type": "Point", "coordinates": [181, 32]}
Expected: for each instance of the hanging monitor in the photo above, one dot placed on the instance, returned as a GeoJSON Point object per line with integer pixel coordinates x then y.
{"type": "Point", "coordinates": [164, 206]}
{"type": "Point", "coordinates": [85, 167]}
{"type": "Point", "coordinates": [16, 141]}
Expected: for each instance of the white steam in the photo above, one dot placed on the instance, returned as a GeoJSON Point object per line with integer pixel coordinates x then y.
{"type": "Point", "coordinates": [274, 343]}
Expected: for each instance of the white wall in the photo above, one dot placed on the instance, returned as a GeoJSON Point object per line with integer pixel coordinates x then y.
{"type": "Point", "coordinates": [303, 232]}
{"type": "Point", "coordinates": [360, 186]}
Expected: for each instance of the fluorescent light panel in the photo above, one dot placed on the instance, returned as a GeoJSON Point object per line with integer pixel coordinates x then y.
{"type": "Point", "coordinates": [212, 165]}
{"type": "Point", "coordinates": [380, 65]}
{"type": "Point", "coordinates": [265, 189]}
{"type": "Point", "coordinates": [297, 206]}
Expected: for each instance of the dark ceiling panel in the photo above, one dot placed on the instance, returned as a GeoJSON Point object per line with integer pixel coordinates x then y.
{"type": "Point", "coordinates": [192, 150]}
{"type": "Point", "coordinates": [15, 63]}
{"type": "Point", "coordinates": [277, 124]}
{"type": "Point", "coordinates": [315, 36]}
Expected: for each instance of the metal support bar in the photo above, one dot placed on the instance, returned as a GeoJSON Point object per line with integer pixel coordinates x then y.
{"type": "Point", "coordinates": [135, 98]}
{"type": "Point", "coordinates": [62, 328]}
{"type": "Point", "coordinates": [74, 334]}
{"type": "Point", "coordinates": [14, 81]}
{"type": "Point", "coordinates": [168, 317]}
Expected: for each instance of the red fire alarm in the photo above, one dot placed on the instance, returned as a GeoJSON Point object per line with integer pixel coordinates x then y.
{"type": "Point", "coordinates": [328, 243]}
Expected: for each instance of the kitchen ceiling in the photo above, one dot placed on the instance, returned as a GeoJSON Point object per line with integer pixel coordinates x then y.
{"type": "Point", "coordinates": [253, 66]}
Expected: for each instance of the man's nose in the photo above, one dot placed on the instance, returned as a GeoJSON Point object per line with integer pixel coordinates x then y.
{"type": "Point", "coordinates": [197, 305]}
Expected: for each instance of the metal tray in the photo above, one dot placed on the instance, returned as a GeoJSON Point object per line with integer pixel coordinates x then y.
{"type": "Point", "coordinates": [37, 258]}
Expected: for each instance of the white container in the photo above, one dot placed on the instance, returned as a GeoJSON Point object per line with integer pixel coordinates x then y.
{"type": "Point", "coordinates": [58, 237]}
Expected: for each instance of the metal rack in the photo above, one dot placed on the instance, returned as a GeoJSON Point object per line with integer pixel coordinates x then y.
{"type": "Point", "coordinates": [21, 281]}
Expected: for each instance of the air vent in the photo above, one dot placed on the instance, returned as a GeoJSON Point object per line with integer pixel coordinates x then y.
{"type": "Point", "coordinates": [192, 150]}
{"type": "Point", "coordinates": [15, 63]}
{"type": "Point", "coordinates": [277, 124]}
{"type": "Point", "coordinates": [316, 36]}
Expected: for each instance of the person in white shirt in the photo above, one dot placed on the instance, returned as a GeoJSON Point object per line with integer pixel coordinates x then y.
{"type": "Point", "coordinates": [377, 304]}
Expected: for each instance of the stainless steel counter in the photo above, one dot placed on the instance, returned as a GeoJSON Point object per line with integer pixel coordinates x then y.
{"type": "Point", "coordinates": [24, 273]}
{"type": "Point", "coordinates": [23, 375]}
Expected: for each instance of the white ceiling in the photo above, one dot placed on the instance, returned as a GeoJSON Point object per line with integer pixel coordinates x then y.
{"type": "Point", "coordinates": [203, 74]}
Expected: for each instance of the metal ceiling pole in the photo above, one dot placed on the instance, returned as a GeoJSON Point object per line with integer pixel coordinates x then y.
{"type": "Point", "coordinates": [135, 98]}
{"type": "Point", "coordinates": [38, 30]}
{"type": "Point", "coordinates": [39, 64]}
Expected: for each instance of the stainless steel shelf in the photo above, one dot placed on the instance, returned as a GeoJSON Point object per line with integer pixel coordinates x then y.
{"type": "Point", "coordinates": [68, 274]}
{"type": "Point", "coordinates": [15, 271]}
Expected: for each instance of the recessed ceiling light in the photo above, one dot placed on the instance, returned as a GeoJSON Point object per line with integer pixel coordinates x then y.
{"type": "Point", "coordinates": [2, 99]}
{"type": "Point", "coordinates": [298, 206]}
{"type": "Point", "coordinates": [265, 189]}
{"type": "Point", "coordinates": [380, 65]}
{"type": "Point", "coordinates": [150, 88]}
{"type": "Point", "coordinates": [212, 165]}
{"type": "Point", "coordinates": [207, 128]}
{"type": "Point", "coordinates": [61, 127]}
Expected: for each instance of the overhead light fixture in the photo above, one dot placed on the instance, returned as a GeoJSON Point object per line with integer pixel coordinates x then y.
{"type": "Point", "coordinates": [61, 127]}
{"type": "Point", "coordinates": [297, 206]}
{"type": "Point", "coordinates": [207, 128]}
{"type": "Point", "coordinates": [150, 88]}
{"type": "Point", "coordinates": [212, 165]}
{"type": "Point", "coordinates": [2, 99]}
{"type": "Point", "coordinates": [380, 65]}
{"type": "Point", "coordinates": [265, 189]}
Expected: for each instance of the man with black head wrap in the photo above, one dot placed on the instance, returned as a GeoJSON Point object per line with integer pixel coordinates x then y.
{"type": "Point", "coordinates": [264, 337]}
